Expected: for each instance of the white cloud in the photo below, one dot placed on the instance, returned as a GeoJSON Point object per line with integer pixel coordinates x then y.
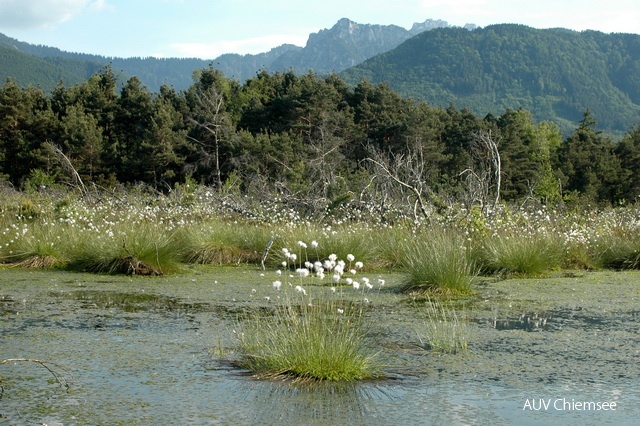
{"type": "Point", "coordinates": [244, 46]}
{"type": "Point", "coordinates": [23, 14]}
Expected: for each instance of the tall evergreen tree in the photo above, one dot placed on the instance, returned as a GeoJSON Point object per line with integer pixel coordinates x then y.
{"type": "Point", "coordinates": [628, 152]}
{"type": "Point", "coordinates": [588, 163]}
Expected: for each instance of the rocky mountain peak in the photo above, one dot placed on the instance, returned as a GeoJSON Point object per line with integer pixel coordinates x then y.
{"type": "Point", "coordinates": [429, 24]}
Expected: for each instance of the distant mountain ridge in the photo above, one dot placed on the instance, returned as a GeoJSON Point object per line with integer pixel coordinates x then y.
{"type": "Point", "coordinates": [346, 44]}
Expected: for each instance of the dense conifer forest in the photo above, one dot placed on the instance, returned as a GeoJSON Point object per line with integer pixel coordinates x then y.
{"type": "Point", "coordinates": [310, 137]}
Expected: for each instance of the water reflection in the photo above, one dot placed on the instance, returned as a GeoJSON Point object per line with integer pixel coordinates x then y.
{"type": "Point", "coordinates": [130, 302]}
{"type": "Point", "coordinates": [320, 403]}
{"type": "Point", "coordinates": [532, 321]}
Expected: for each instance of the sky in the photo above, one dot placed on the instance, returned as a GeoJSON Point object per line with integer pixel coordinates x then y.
{"type": "Point", "coordinates": [208, 28]}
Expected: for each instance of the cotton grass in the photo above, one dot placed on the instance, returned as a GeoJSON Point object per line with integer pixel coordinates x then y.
{"type": "Point", "coordinates": [312, 333]}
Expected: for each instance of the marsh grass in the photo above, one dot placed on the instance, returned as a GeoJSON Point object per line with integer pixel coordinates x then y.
{"type": "Point", "coordinates": [339, 240]}
{"type": "Point", "coordinates": [441, 329]}
{"type": "Point", "coordinates": [39, 246]}
{"type": "Point", "coordinates": [308, 342]}
{"type": "Point", "coordinates": [388, 247]}
{"type": "Point", "coordinates": [521, 254]}
{"type": "Point", "coordinates": [223, 243]}
{"type": "Point", "coordinates": [437, 262]}
{"type": "Point", "coordinates": [135, 230]}
{"type": "Point", "coordinates": [619, 249]}
{"type": "Point", "coordinates": [142, 250]}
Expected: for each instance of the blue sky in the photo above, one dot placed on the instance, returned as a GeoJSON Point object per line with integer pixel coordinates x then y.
{"type": "Point", "coordinates": [208, 28]}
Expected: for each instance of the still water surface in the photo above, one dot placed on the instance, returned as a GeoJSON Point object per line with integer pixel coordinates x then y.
{"type": "Point", "coordinates": [156, 351]}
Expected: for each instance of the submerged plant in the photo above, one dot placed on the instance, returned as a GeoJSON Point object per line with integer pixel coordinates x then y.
{"type": "Point", "coordinates": [441, 330]}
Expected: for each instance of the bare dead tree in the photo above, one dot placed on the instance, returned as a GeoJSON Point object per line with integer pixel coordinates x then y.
{"type": "Point", "coordinates": [409, 172]}
{"type": "Point", "coordinates": [483, 178]}
{"type": "Point", "coordinates": [325, 159]}
{"type": "Point", "coordinates": [211, 117]}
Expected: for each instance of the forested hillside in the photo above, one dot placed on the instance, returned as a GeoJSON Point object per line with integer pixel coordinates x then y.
{"type": "Point", "coordinates": [308, 137]}
{"type": "Point", "coordinates": [556, 73]}
{"type": "Point", "coordinates": [28, 70]}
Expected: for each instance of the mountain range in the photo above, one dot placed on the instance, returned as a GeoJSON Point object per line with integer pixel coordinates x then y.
{"type": "Point", "coordinates": [555, 73]}
{"type": "Point", "coordinates": [346, 44]}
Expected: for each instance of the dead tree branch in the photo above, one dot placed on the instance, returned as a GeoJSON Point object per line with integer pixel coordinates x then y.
{"type": "Point", "coordinates": [68, 166]}
{"type": "Point", "coordinates": [46, 364]}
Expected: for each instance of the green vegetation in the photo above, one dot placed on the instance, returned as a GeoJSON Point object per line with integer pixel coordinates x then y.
{"type": "Point", "coordinates": [150, 233]}
{"type": "Point", "coordinates": [111, 178]}
{"type": "Point", "coordinates": [440, 329]}
{"type": "Point", "coordinates": [308, 340]}
{"type": "Point", "coordinates": [554, 73]}
{"type": "Point", "coordinates": [312, 141]}
{"type": "Point", "coordinates": [438, 262]}
{"type": "Point", "coordinates": [521, 254]}
{"type": "Point", "coordinates": [314, 324]}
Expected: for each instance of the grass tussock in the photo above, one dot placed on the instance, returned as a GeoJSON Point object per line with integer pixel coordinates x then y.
{"type": "Point", "coordinates": [521, 254]}
{"type": "Point", "coordinates": [617, 250]}
{"type": "Point", "coordinates": [37, 246]}
{"type": "Point", "coordinates": [438, 262]}
{"type": "Point", "coordinates": [223, 243]}
{"type": "Point", "coordinates": [144, 250]}
{"type": "Point", "coordinates": [308, 343]}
